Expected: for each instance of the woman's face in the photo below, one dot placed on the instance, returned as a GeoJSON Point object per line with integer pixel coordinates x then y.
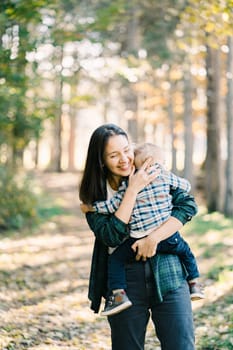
{"type": "Point", "coordinates": [118, 156]}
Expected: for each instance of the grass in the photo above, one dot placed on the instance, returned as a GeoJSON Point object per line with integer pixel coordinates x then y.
{"type": "Point", "coordinates": [46, 210]}
{"type": "Point", "coordinates": [211, 238]}
{"type": "Point", "coordinates": [45, 271]}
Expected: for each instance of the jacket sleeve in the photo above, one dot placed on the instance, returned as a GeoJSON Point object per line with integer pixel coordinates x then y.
{"type": "Point", "coordinates": [184, 205]}
{"type": "Point", "coordinates": [108, 229]}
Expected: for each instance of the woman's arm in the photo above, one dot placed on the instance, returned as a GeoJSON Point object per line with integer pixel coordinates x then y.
{"type": "Point", "coordinates": [146, 247]}
{"type": "Point", "coordinates": [184, 208]}
{"type": "Point", "coordinates": [112, 229]}
{"type": "Point", "coordinates": [108, 229]}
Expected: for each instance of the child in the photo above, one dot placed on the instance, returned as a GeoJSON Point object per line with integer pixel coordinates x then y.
{"type": "Point", "coordinates": [152, 208]}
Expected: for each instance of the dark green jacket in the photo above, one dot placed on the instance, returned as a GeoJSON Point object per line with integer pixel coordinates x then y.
{"type": "Point", "coordinates": [110, 232]}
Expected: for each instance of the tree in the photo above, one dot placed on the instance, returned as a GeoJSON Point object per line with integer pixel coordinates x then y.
{"type": "Point", "coordinates": [18, 126]}
{"type": "Point", "coordinates": [204, 16]}
{"type": "Point", "coordinates": [228, 205]}
{"type": "Point", "coordinates": [137, 25]}
{"type": "Point", "coordinates": [188, 126]}
{"type": "Point", "coordinates": [213, 168]}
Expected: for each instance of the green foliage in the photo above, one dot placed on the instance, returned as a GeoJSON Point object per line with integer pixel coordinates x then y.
{"type": "Point", "coordinates": [215, 324]}
{"type": "Point", "coordinates": [210, 21]}
{"type": "Point", "coordinates": [204, 223]}
{"type": "Point", "coordinates": [18, 203]}
{"type": "Point", "coordinates": [23, 106]}
{"type": "Point", "coordinates": [14, 121]}
{"type": "Point", "coordinates": [212, 236]}
{"type": "Point", "coordinates": [218, 271]}
{"type": "Point", "coordinates": [48, 212]}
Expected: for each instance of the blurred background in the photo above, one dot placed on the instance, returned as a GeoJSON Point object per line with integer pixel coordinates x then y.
{"type": "Point", "coordinates": [163, 71]}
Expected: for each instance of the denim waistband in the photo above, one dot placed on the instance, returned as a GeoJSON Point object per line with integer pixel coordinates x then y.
{"type": "Point", "coordinates": [145, 268]}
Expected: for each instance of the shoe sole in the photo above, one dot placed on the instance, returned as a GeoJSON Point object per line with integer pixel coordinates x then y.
{"type": "Point", "coordinates": [117, 309]}
{"type": "Point", "coordinates": [197, 297]}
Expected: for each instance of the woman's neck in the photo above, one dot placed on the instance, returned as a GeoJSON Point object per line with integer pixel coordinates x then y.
{"type": "Point", "coordinates": [114, 181]}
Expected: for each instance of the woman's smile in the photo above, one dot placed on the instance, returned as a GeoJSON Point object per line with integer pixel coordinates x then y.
{"type": "Point", "coordinates": [119, 156]}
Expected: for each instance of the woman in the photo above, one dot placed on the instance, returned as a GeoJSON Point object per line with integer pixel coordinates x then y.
{"type": "Point", "coordinates": [156, 284]}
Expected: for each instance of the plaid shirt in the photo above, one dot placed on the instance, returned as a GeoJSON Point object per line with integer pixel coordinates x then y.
{"type": "Point", "coordinates": [168, 272]}
{"type": "Point", "coordinates": [153, 204]}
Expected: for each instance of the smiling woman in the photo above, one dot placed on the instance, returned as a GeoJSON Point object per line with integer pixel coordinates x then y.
{"type": "Point", "coordinates": [156, 286]}
{"type": "Point", "coordinates": [118, 159]}
{"type": "Point", "coordinates": [106, 142]}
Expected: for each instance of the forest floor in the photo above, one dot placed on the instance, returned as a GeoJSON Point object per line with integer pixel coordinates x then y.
{"type": "Point", "coordinates": [44, 280]}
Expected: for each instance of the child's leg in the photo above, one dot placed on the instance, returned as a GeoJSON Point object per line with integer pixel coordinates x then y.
{"type": "Point", "coordinates": [177, 245]}
{"type": "Point", "coordinates": [118, 300]}
{"type": "Point", "coordinates": [116, 265]}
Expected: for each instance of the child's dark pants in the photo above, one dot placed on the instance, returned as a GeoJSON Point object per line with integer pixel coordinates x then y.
{"type": "Point", "coordinates": [124, 253]}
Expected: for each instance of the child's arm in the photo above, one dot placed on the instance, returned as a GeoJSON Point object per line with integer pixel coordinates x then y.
{"type": "Point", "coordinates": [178, 182]}
{"type": "Point", "coordinates": [111, 205]}
{"type": "Point", "coordinates": [146, 247]}
{"type": "Point", "coordinates": [184, 208]}
{"type": "Point", "coordinates": [85, 208]}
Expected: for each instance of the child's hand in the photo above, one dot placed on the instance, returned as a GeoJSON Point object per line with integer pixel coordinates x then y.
{"type": "Point", "coordinates": [85, 208]}
{"type": "Point", "coordinates": [145, 175]}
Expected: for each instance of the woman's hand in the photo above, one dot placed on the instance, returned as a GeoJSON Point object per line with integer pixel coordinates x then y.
{"type": "Point", "coordinates": [145, 247]}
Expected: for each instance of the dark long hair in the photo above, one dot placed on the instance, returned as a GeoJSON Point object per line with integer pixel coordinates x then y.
{"type": "Point", "coordinates": [93, 183]}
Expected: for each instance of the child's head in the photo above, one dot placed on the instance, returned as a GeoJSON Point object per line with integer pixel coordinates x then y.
{"type": "Point", "coordinates": [146, 150]}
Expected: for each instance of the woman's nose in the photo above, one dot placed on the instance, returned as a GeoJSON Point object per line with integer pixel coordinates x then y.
{"type": "Point", "coordinates": [123, 158]}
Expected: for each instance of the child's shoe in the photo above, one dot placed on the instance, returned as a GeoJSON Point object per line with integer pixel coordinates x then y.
{"type": "Point", "coordinates": [116, 302]}
{"type": "Point", "coordinates": [196, 291]}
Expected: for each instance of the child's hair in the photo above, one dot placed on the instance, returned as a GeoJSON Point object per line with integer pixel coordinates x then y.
{"type": "Point", "coordinates": [146, 150]}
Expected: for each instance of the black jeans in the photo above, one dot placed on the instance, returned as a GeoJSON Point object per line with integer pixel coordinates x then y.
{"type": "Point", "coordinates": [173, 319]}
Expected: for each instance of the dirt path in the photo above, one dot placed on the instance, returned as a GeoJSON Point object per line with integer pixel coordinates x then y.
{"type": "Point", "coordinates": [44, 283]}
{"type": "Point", "coordinates": [44, 279]}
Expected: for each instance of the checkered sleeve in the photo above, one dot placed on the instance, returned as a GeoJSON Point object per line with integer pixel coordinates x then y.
{"type": "Point", "coordinates": [111, 205]}
{"type": "Point", "coordinates": [177, 182]}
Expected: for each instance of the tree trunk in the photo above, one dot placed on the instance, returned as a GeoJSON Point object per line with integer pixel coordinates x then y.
{"type": "Point", "coordinates": [131, 102]}
{"type": "Point", "coordinates": [72, 137]}
{"type": "Point", "coordinates": [133, 37]}
{"type": "Point", "coordinates": [228, 205]}
{"type": "Point", "coordinates": [188, 132]}
{"type": "Point", "coordinates": [57, 151]}
{"type": "Point", "coordinates": [132, 45]}
{"type": "Point", "coordinates": [73, 126]}
{"type": "Point", "coordinates": [105, 89]}
{"type": "Point", "coordinates": [213, 173]}
{"type": "Point", "coordinates": [58, 131]}
{"type": "Point", "coordinates": [171, 119]}
{"type": "Point", "coordinates": [37, 141]}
